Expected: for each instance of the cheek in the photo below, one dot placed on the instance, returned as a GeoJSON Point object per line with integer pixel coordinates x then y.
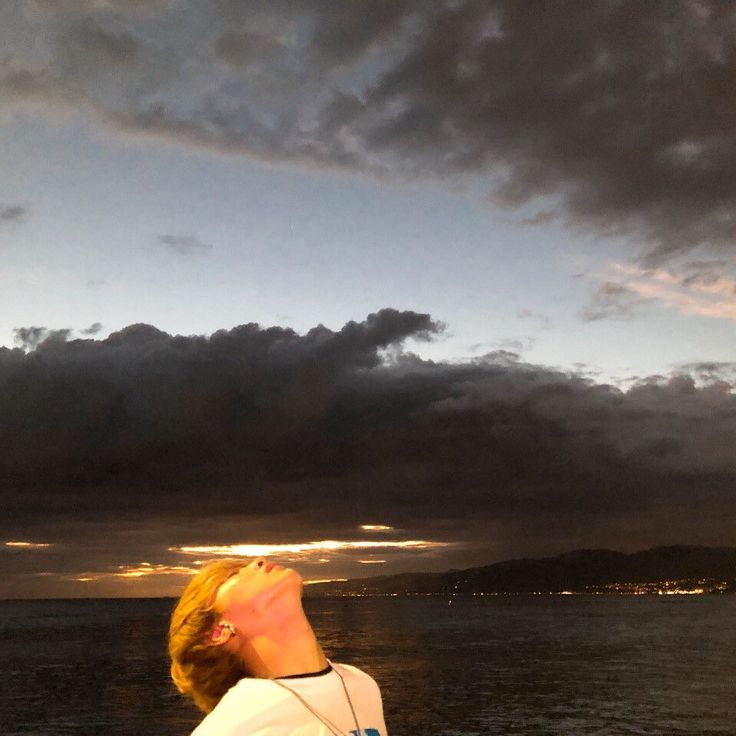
{"type": "Point", "coordinates": [240, 597]}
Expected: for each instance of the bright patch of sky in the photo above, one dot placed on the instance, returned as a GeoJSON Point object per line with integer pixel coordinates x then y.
{"type": "Point", "coordinates": [297, 246]}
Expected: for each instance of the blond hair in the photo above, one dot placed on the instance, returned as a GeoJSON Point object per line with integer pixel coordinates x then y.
{"type": "Point", "coordinates": [199, 670]}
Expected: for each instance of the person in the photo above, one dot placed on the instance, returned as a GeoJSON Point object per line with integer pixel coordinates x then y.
{"type": "Point", "coordinates": [242, 649]}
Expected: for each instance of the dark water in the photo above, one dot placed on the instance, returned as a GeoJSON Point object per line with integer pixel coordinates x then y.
{"type": "Point", "coordinates": [558, 665]}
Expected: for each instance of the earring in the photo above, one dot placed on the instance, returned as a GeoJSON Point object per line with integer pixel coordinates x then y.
{"type": "Point", "coordinates": [229, 627]}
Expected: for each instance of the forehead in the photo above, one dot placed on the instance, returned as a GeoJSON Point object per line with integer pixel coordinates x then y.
{"type": "Point", "coordinates": [226, 582]}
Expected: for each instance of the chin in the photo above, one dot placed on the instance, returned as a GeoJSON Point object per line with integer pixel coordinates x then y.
{"type": "Point", "coordinates": [295, 580]}
{"type": "Point", "coordinates": [293, 574]}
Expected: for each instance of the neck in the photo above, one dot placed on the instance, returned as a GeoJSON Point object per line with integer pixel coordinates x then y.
{"type": "Point", "coordinates": [289, 647]}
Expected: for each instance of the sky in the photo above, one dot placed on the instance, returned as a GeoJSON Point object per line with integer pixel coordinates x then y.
{"type": "Point", "coordinates": [364, 287]}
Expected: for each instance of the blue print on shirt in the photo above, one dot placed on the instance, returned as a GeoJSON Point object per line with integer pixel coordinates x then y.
{"type": "Point", "coordinates": [366, 732]}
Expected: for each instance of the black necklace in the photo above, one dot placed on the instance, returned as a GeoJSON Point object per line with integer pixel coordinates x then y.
{"type": "Point", "coordinates": [308, 674]}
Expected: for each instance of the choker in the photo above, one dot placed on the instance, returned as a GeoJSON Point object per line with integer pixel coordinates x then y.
{"type": "Point", "coordinates": [308, 674]}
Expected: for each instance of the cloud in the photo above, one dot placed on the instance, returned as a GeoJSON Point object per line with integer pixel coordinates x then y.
{"type": "Point", "coordinates": [542, 320]}
{"type": "Point", "coordinates": [134, 7]}
{"type": "Point", "coordinates": [541, 218]}
{"type": "Point", "coordinates": [93, 329]}
{"type": "Point", "coordinates": [322, 546]}
{"type": "Point", "coordinates": [29, 338]}
{"type": "Point", "coordinates": [622, 113]}
{"type": "Point", "coordinates": [700, 288]}
{"type": "Point", "coordinates": [510, 346]}
{"type": "Point", "coordinates": [117, 450]}
{"type": "Point", "coordinates": [24, 545]}
{"type": "Point", "coordinates": [12, 213]}
{"type": "Point", "coordinates": [612, 301]}
{"type": "Point", "coordinates": [717, 373]}
{"type": "Point", "coordinates": [184, 245]}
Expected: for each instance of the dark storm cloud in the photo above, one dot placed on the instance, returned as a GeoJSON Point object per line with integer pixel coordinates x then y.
{"type": "Point", "coordinates": [184, 245]}
{"type": "Point", "coordinates": [154, 431]}
{"type": "Point", "coordinates": [714, 372]}
{"type": "Point", "coordinates": [29, 338]}
{"type": "Point", "coordinates": [618, 117]}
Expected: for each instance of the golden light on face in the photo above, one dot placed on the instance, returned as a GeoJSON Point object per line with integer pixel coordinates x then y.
{"type": "Point", "coordinates": [258, 594]}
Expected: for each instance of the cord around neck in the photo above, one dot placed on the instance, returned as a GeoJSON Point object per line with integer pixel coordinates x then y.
{"type": "Point", "coordinates": [306, 674]}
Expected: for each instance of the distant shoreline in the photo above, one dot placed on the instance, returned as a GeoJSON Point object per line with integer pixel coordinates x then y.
{"type": "Point", "coordinates": [659, 571]}
{"type": "Point", "coordinates": [452, 596]}
{"type": "Point", "coordinates": [674, 570]}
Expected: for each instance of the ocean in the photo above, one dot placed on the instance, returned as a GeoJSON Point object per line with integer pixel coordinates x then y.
{"type": "Point", "coordinates": [507, 665]}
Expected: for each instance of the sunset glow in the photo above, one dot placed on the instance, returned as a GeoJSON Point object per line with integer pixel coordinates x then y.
{"type": "Point", "coordinates": [146, 569]}
{"type": "Point", "coordinates": [304, 548]}
{"type": "Point", "coordinates": [141, 570]}
{"type": "Point", "coordinates": [28, 545]}
{"type": "Point", "coordinates": [713, 296]}
{"type": "Point", "coordinates": [356, 290]}
{"type": "Point", "coordinates": [325, 580]}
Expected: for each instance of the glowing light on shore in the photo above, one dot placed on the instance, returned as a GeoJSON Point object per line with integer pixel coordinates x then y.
{"type": "Point", "coordinates": [371, 562]}
{"type": "Point", "coordinates": [680, 591]}
{"type": "Point", "coordinates": [376, 528]}
{"type": "Point", "coordinates": [326, 545]}
{"type": "Point", "coordinates": [27, 545]}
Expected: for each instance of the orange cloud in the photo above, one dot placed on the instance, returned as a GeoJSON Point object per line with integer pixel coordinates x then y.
{"type": "Point", "coordinates": [714, 296]}
{"type": "Point", "coordinates": [143, 569]}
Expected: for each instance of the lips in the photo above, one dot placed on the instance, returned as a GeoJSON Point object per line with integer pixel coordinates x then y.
{"type": "Point", "coordinates": [269, 566]}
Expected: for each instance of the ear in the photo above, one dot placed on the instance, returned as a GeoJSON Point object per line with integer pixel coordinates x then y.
{"type": "Point", "coordinates": [221, 634]}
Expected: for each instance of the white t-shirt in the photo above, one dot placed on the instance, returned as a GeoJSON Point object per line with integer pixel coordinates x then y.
{"type": "Point", "coordinates": [260, 707]}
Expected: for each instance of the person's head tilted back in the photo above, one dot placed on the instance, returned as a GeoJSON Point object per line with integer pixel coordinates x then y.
{"type": "Point", "coordinates": [238, 631]}
{"type": "Point", "coordinates": [202, 672]}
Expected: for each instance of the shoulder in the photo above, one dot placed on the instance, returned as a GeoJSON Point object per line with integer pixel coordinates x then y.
{"type": "Point", "coordinates": [355, 675]}
{"type": "Point", "coordinates": [350, 669]}
{"type": "Point", "coordinates": [241, 709]}
{"type": "Point", "coordinates": [368, 701]}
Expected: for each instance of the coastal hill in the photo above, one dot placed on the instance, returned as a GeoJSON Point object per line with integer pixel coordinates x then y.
{"type": "Point", "coordinates": [674, 569]}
